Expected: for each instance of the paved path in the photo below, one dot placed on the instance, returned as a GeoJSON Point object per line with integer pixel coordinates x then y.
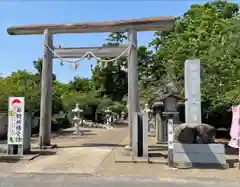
{"type": "Point", "coordinates": [53, 180]}
{"type": "Point", "coordinates": [89, 156]}
{"type": "Point", "coordinates": [81, 155]}
{"type": "Point", "coordinates": [108, 168]}
{"type": "Point", "coordinates": [70, 160]}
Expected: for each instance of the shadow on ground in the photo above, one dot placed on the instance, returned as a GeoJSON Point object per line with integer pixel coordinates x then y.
{"type": "Point", "coordinates": [101, 145]}
{"type": "Point", "coordinates": [30, 156]}
{"type": "Point", "coordinates": [161, 155]}
{"type": "Point", "coordinates": [157, 148]}
{"type": "Point", "coordinates": [10, 159]}
{"type": "Point", "coordinates": [26, 157]}
{"type": "Point", "coordinates": [158, 151]}
{"type": "Point", "coordinates": [93, 145]}
{"type": "Point", "coordinates": [42, 152]}
{"type": "Point", "coordinates": [70, 132]}
{"type": "Point", "coordinates": [121, 125]}
{"type": "Point", "coordinates": [207, 166]}
{"type": "Point", "coordinates": [232, 162]}
{"type": "Point", "coordinates": [231, 151]}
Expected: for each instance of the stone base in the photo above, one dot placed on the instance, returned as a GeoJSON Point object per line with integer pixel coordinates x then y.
{"type": "Point", "coordinates": [3, 149]}
{"type": "Point", "coordinates": [127, 151]}
{"type": "Point", "coordinates": [199, 155]}
{"type": "Point", "coordinates": [127, 148]}
{"type": "Point", "coordinates": [161, 142]}
{"type": "Point", "coordinates": [53, 146]}
{"type": "Point", "coordinates": [189, 165]}
{"type": "Point", "coordinates": [80, 133]}
{"type": "Point", "coordinates": [151, 134]}
{"type": "Point", "coordinates": [146, 160]}
{"type": "Point", "coordinates": [238, 165]}
{"type": "Point", "coordinates": [184, 165]}
{"type": "Point", "coordinates": [130, 159]}
{"type": "Point", "coordinates": [15, 158]}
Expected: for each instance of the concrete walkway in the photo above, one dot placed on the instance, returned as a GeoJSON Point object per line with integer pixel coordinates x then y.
{"type": "Point", "coordinates": [94, 154]}
{"type": "Point", "coordinates": [109, 168]}
{"type": "Point", "coordinates": [63, 180]}
{"type": "Point", "coordinates": [68, 160]}
{"type": "Point", "coordinates": [79, 155]}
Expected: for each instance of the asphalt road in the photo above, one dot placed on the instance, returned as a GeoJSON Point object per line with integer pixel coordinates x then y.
{"type": "Point", "coordinates": [54, 180]}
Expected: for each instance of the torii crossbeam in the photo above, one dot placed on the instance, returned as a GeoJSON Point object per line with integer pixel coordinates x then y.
{"type": "Point", "coordinates": [129, 26]}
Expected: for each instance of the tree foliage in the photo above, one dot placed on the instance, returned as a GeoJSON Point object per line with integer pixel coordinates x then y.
{"type": "Point", "coordinates": [208, 32]}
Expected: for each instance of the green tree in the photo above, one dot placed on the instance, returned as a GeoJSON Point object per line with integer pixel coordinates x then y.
{"type": "Point", "coordinates": [110, 79]}
{"type": "Point", "coordinates": [80, 84]}
{"type": "Point", "coordinates": [37, 64]}
{"type": "Point", "coordinates": [20, 83]}
{"type": "Point", "coordinates": [205, 32]}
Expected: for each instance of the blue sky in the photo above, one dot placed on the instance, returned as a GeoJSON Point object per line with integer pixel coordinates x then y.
{"type": "Point", "coordinates": [18, 52]}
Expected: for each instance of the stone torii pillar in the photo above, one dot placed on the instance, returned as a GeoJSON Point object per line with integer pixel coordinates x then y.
{"type": "Point", "coordinates": [46, 91]}
{"type": "Point", "coordinates": [133, 90]}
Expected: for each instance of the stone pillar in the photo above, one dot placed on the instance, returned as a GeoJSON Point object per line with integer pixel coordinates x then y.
{"type": "Point", "coordinates": [192, 91]}
{"type": "Point", "coordinates": [164, 131]}
{"type": "Point", "coordinates": [160, 134]}
{"type": "Point", "coordinates": [145, 124]}
{"type": "Point", "coordinates": [133, 90]}
{"type": "Point", "coordinates": [46, 91]}
{"type": "Point", "coordinates": [176, 121]}
{"type": "Point", "coordinates": [27, 132]}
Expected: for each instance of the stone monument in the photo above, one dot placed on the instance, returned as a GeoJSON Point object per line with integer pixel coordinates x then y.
{"type": "Point", "coordinates": [193, 131]}
{"type": "Point", "coordinates": [195, 142]}
{"type": "Point", "coordinates": [192, 92]}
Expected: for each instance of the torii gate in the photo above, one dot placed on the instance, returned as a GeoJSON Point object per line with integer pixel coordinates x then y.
{"type": "Point", "coordinates": [130, 26]}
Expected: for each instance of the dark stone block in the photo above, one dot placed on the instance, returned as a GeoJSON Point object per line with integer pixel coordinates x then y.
{"type": "Point", "coordinates": [185, 133]}
{"type": "Point", "coordinates": [195, 133]}
{"type": "Point", "coordinates": [205, 134]}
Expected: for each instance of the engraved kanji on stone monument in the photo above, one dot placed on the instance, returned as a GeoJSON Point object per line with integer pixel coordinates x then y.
{"type": "Point", "coordinates": [192, 91]}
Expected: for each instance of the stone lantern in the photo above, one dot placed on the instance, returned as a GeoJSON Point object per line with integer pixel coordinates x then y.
{"type": "Point", "coordinates": [77, 119]}
{"type": "Point", "coordinates": [108, 113]}
{"type": "Point", "coordinates": [122, 115]}
{"type": "Point", "coordinates": [151, 123]}
{"type": "Point", "coordinates": [166, 105]}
